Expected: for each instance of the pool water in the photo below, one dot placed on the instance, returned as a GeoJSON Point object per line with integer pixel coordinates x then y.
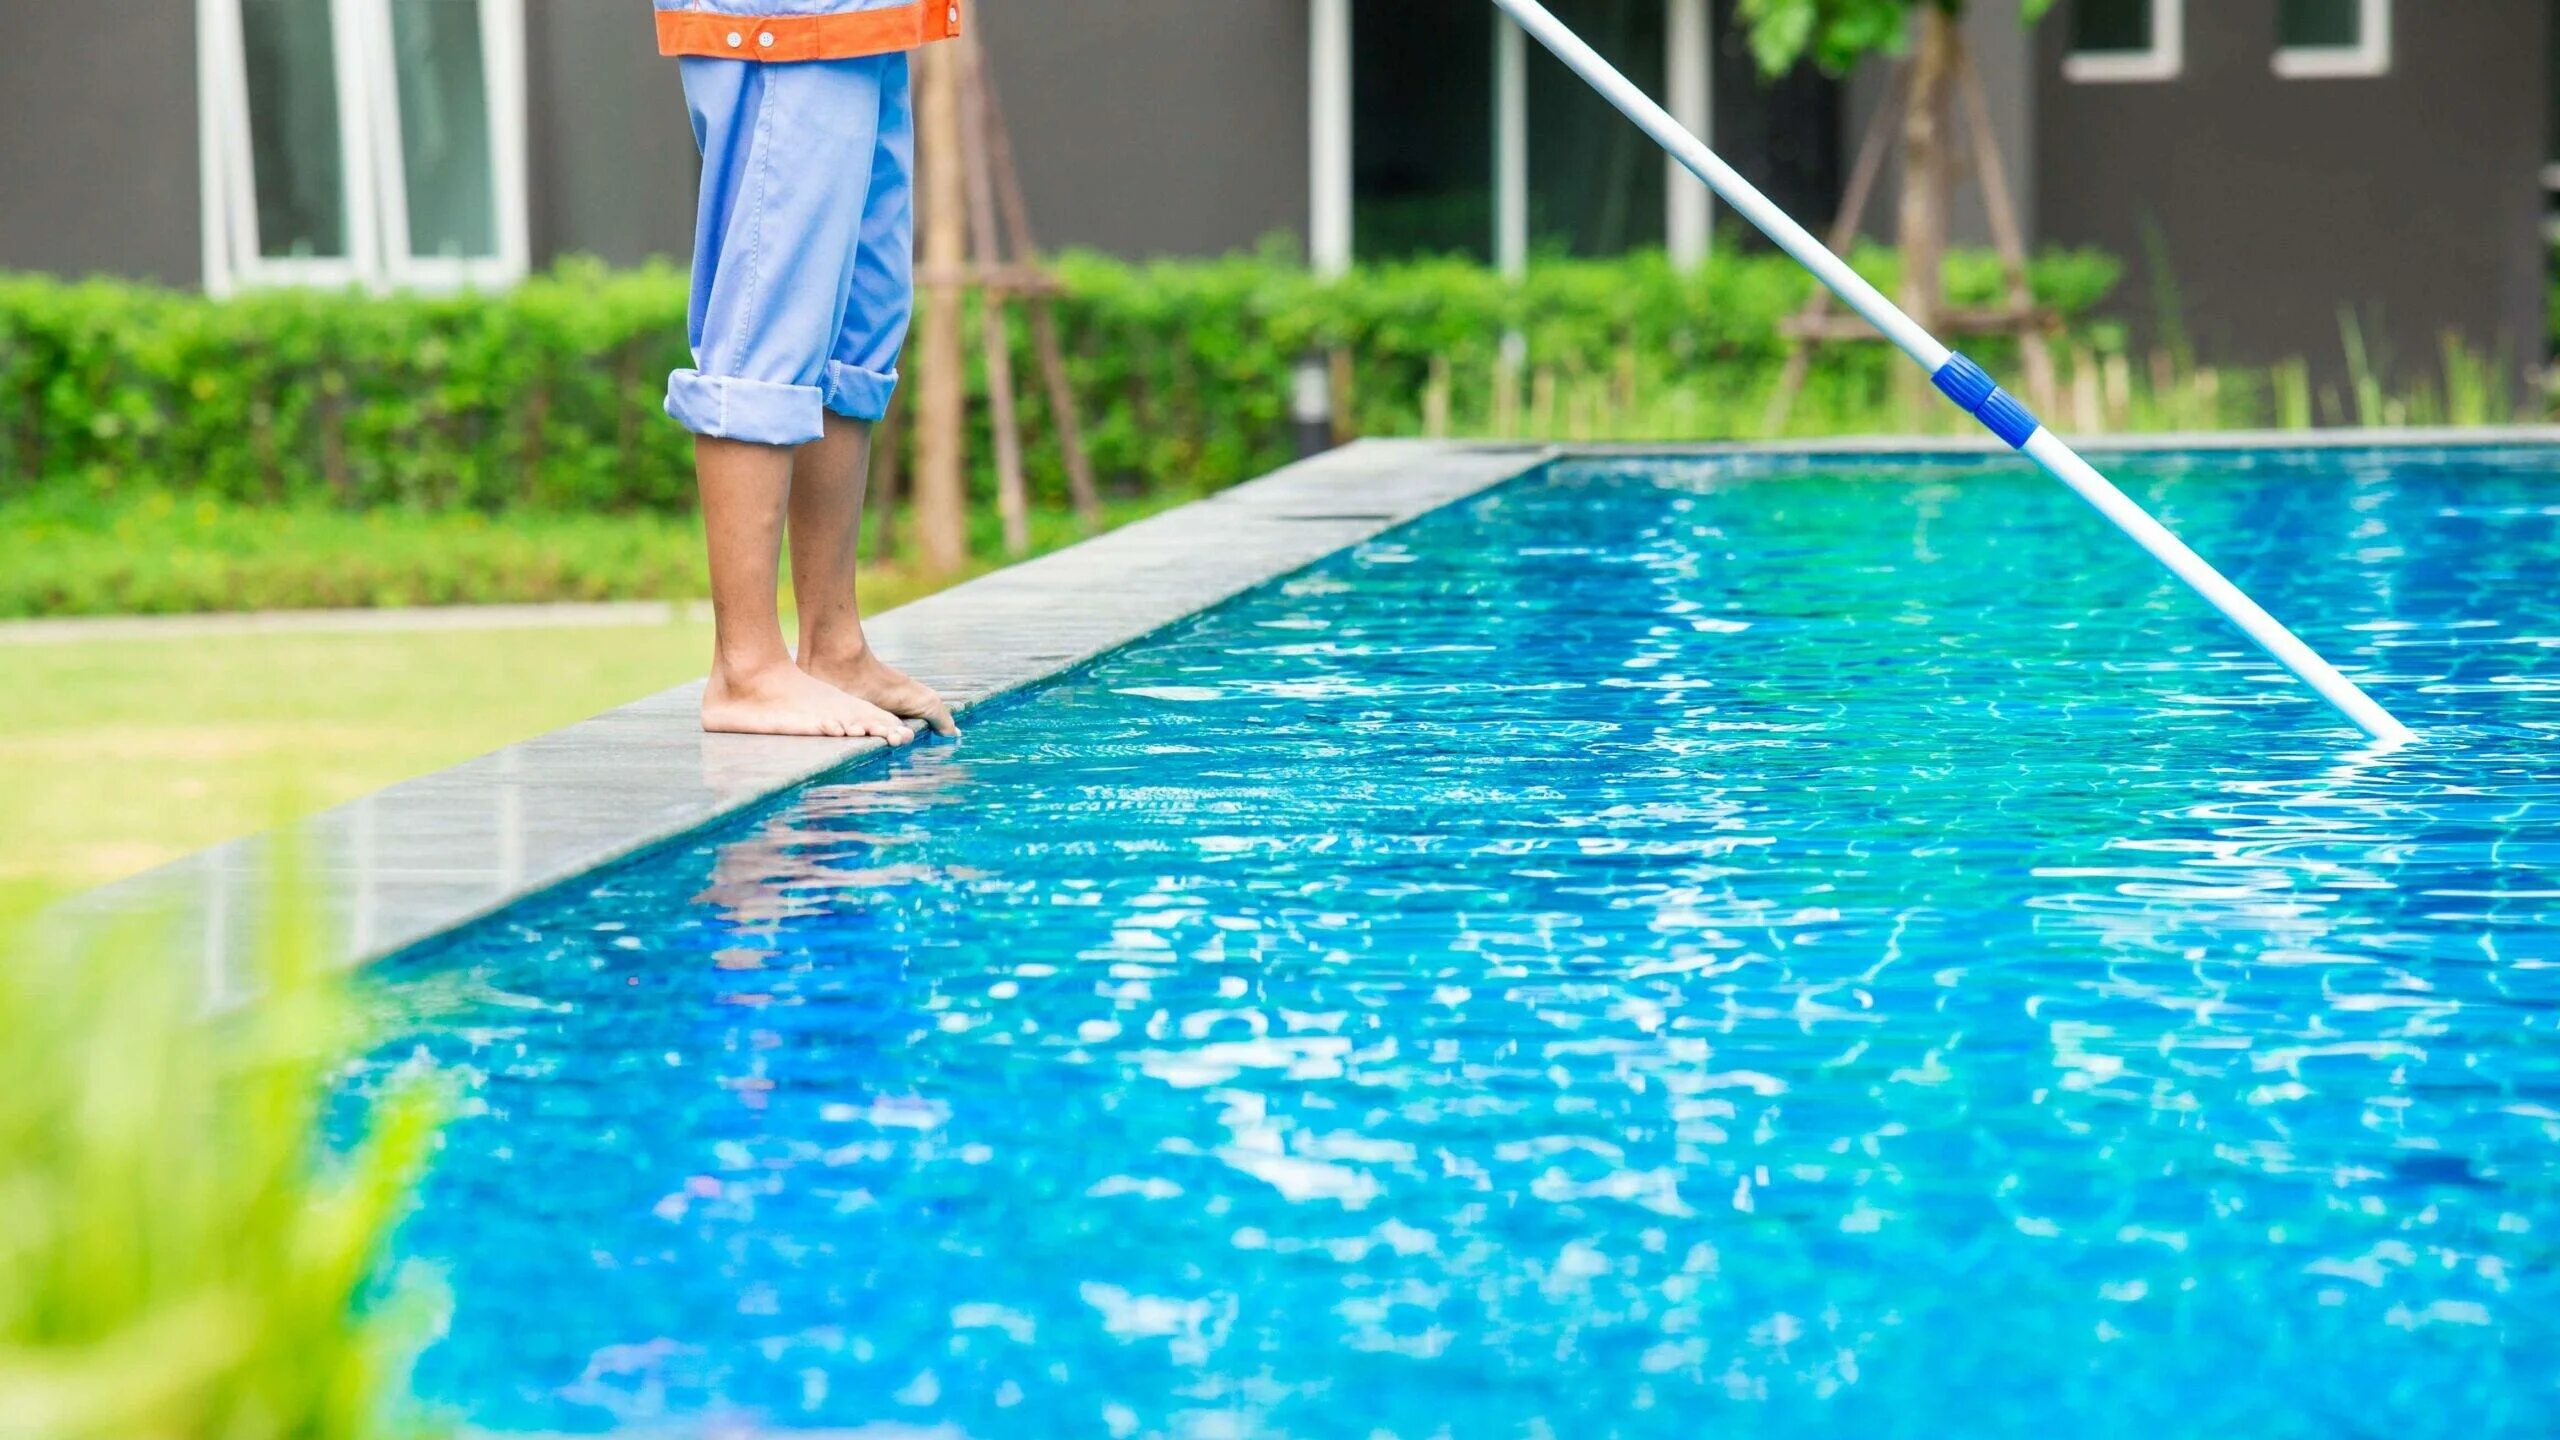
{"type": "Point", "coordinates": [1737, 947]}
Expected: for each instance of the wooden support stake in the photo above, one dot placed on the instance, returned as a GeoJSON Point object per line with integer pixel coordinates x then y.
{"type": "Point", "coordinates": [888, 442]}
{"type": "Point", "coordinates": [1872, 150]}
{"type": "Point", "coordinates": [1945, 67]}
{"type": "Point", "coordinates": [2006, 234]}
{"type": "Point", "coordinates": [1013, 491]}
{"type": "Point", "coordinates": [942, 399]}
{"type": "Point", "coordinates": [1921, 227]}
{"type": "Point", "coordinates": [1044, 321]}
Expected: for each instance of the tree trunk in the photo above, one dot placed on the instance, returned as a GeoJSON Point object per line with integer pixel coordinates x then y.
{"type": "Point", "coordinates": [1921, 233]}
{"type": "Point", "coordinates": [942, 400]}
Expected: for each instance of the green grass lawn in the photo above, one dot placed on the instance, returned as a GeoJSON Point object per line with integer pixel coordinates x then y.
{"type": "Point", "coordinates": [126, 753]}
{"type": "Point", "coordinates": [156, 553]}
{"type": "Point", "coordinates": [119, 754]}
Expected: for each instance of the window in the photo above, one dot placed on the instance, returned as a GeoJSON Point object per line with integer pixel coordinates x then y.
{"type": "Point", "coordinates": [1423, 117]}
{"type": "Point", "coordinates": [2114, 40]}
{"type": "Point", "coordinates": [1470, 140]}
{"type": "Point", "coordinates": [1597, 185]}
{"type": "Point", "coordinates": [374, 142]}
{"type": "Point", "coordinates": [2329, 39]}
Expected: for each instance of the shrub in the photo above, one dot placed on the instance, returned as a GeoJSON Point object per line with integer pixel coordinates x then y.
{"type": "Point", "coordinates": [548, 395]}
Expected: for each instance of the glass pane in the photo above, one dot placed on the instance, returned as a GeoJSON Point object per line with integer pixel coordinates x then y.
{"type": "Point", "coordinates": [2321, 24]}
{"type": "Point", "coordinates": [2099, 27]}
{"type": "Point", "coordinates": [1422, 128]}
{"type": "Point", "coordinates": [1596, 181]}
{"type": "Point", "coordinates": [294, 134]}
{"type": "Point", "coordinates": [444, 128]}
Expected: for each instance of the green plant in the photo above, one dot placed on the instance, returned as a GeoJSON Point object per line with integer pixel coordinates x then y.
{"type": "Point", "coordinates": [150, 552]}
{"type": "Point", "coordinates": [178, 1254]}
{"type": "Point", "coordinates": [1840, 33]}
{"type": "Point", "coordinates": [548, 397]}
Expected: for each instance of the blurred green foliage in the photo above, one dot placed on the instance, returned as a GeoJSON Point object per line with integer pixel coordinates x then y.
{"type": "Point", "coordinates": [1839, 33]}
{"type": "Point", "coordinates": [180, 1253]}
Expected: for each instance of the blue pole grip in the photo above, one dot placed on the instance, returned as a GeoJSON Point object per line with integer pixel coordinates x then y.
{"type": "Point", "coordinates": [1977, 395]}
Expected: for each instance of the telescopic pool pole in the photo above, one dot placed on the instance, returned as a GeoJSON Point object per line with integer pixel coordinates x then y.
{"type": "Point", "coordinates": [1958, 378]}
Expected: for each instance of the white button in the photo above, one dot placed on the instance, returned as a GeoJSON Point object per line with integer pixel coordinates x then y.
{"type": "Point", "coordinates": [955, 14]}
{"type": "Point", "coordinates": [736, 39]}
{"type": "Point", "coordinates": [765, 39]}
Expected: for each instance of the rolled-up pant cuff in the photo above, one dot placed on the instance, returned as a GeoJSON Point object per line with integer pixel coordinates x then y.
{"type": "Point", "coordinates": [756, 411]}
{"type": "Point", "coordinates": [859, 394]}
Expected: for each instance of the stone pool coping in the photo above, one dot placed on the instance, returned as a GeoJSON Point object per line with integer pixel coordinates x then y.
{"type": "Point", "coordinates": [407, 864]}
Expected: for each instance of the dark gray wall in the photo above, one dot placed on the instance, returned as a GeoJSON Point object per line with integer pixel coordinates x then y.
{"type": "Point", "coordinates": [2412, 196]}
{"type": "Point", "coordinates": [98, 140]}
{"type": "Point", "coordinates": [612, 161]}
{"type": "Point", "coordinates": [1151, 127]}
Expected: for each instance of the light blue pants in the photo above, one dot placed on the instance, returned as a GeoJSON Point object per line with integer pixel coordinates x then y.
{"type": "Point", "coordinates": [804, 253]}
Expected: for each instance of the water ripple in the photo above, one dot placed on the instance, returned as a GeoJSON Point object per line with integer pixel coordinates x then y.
{"type": "Point", "coordinates": [1762, 948]}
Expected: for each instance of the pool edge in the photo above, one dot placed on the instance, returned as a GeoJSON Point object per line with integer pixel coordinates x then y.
{"type": "Point", "coordinates": [397, 868]}
{"type": "Point", "coordinates": [2100, 445]}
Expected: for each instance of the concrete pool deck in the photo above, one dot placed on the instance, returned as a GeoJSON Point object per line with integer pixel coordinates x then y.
{"type": "Point", "coordinates": [412, 862]}
{"type": "Point", "coordinates": [422, 858]}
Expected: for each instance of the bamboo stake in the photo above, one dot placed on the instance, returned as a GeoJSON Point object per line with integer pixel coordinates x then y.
{"type": "Point", "coordinates": [1044, 319]}
{"type": "Point", "coordinates": [942, 477]}
{"type": "Point", "coordinates": [1869, 167]}
{"type": "Point", "coordinates": [2006, 235]}
{"type": "Point", "coordinates": [1013, 490]}
{"type": "Point", "coordinates": [1921, 227]}
{"type": "Point", "coordinates": [888, 441]}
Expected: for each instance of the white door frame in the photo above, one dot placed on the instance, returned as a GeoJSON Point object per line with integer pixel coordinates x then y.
{"type": "Point", "coordinates": [1689, 221]}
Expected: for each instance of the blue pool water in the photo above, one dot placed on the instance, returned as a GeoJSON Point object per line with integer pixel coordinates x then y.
{"type": "Point", "coordinates": [1735, 948]}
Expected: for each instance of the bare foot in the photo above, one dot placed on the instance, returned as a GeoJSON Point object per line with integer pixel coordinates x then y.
{"type": "Point", "coordinates": [868, 677]}
{"type": "Point", "coordinates": [783, 700]}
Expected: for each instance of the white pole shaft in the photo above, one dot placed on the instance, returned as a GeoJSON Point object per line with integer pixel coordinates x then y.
{"type": "Point", "coordinates": [1329, 136]}
{"type": "Point", "coordinates": [2041, 445]}
{"type": "Point", "coordinates": [2065, 464]}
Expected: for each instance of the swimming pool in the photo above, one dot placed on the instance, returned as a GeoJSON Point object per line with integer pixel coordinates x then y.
{"type": "Point", "coordinates": [1736, 946]}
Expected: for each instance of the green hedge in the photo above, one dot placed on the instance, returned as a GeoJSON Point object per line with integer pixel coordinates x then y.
{"type": "Point", "coordinates": [549, 395]}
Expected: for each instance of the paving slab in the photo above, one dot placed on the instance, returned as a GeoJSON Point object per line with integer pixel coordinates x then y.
{"type": "Point", "coordinates": [406, 864]}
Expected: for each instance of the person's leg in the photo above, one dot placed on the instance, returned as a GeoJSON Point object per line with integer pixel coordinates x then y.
{"type": "Point", "coordinates": [830, 479]}
{"type": "Point", "coordinates": [755, 688]}
{"type": "Point", "coordinates": [780, 217]}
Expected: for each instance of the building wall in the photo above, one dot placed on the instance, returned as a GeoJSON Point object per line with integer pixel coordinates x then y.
{"type": "Point", "coordinates": [612, 162]}
{"type": "Point", "coordinates": [98, 169]}
{"type": "Point", "coordinates": [1148, 128]}
{"type": "Point", "coordinates": [2273, 203]}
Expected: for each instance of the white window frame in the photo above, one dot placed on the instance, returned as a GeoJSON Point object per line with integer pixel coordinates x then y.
{"type": "Point", "coordinates": [373, 160]}
{"type": "Point", "coordinates": [502, 52]}
{"type": "Point", "coordinates": [2165, 60]}
{"type": "Point", "coordinates": [2368, 57]}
